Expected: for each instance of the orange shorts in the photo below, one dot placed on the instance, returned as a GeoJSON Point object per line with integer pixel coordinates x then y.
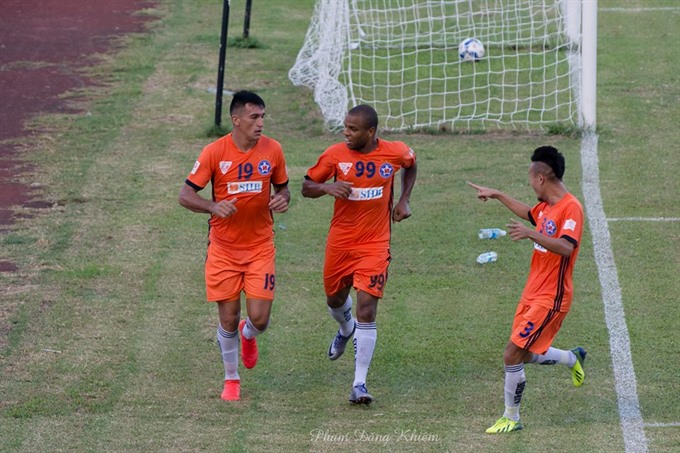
{"type": "Point", "coordinates": [230, 271]}
{"type": "Point", "coordinates": [535, 327]}
{"type": "Point", "coordinates": [366, 270]}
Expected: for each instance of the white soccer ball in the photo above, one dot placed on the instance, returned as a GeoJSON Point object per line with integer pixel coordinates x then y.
{"type": "Point", "coordinates": [471, 49]}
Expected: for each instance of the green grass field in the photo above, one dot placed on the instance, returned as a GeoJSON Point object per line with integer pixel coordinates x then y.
{"type": "Point", "coordinates": [107, 344]}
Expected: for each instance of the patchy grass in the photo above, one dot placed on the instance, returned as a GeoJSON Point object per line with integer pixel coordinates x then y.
{"type": "Point", "coordinates": [108, 345]}
{"type": "Point", "coordinates": [244, 43]}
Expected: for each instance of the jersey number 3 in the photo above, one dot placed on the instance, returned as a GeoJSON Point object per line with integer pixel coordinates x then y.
{"type": "Point", "coordinates": [527, 330]}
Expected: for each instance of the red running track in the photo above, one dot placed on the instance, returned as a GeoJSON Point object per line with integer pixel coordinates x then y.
{"type": "Point", "coordinates": [43, 44]}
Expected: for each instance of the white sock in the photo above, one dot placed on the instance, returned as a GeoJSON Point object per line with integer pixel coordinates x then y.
{"type": "Point", "coordinates": [249, 330]}
{"type": "Point", "coordinates": [555, 356]}
{"type": "Point", "coordinates": [364, 345]}
{"type": "Point", "coordinates": [228, 342]}
{"type": "Point", "coordinates": [515, 380]}
{"type": "Point", "coordinates": [343, 315]}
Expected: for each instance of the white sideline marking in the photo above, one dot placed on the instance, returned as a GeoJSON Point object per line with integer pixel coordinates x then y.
{"type": "Point", "coordinates": [662, 425]}
{"type": "Point", "coordinates": [644, 219]}
{"type": "Point", "coordinates": [630, 417]}
{"type": "Point", "coordinates": [640, 10]}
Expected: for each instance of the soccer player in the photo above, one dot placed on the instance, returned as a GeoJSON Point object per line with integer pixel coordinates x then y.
{"type": "Point", "coordinates": [362, 170]}
{"type": "Point", "coordinates": [242, 166]}
{"type": "Point", "coordinates": [547, 295]}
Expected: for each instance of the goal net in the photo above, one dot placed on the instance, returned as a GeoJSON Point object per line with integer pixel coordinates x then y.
{"type": "Point", "coordinates": [401, 57]}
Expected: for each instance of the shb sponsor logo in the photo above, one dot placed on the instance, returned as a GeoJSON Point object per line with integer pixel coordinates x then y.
{"type": "Point", "coordinates": [243, 187]}
{"type": "Point", "coordinates": [366, 193]}
{"type": "Point", "coordinates": [224, 166]}
{"type": "Point", "coordinates": [195, 169]}
{"type": "Point", "coordinates": [345, 167]}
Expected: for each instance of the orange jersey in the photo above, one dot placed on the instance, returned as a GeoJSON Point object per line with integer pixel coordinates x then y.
{"type": "Point", "coordinates": [364, 218]}
{"type": "Point", "coordinates": [550, 276]}
{"type": "Point", "coordinates": [247, 178]}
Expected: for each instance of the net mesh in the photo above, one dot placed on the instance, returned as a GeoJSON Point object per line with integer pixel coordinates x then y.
{"type": "Point", "coordinates": [401, 57]}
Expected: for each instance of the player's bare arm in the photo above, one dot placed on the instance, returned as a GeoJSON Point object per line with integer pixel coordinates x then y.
{"type": "Point", "coordinates": [518, 231]}
{"type": "Point", "coordinates": [337, 189]}
{"type": "Point", "coordinates": [401, 211]}
{"type": "Point", "coordinates": [190, 199]}
{"type": "Point", "coordinates": [408, 179]}
{"type": "Point", "coordinates": [484, 193]}
{"type": "Point", "coordinates": [517, 207]}
{"type": "Point", "coordinates": [280, 199]}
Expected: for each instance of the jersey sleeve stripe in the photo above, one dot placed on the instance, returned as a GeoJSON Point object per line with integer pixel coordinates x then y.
{"type": "Point", "coordinates": [570, 239]}
{"type": "Point", "coordinates": [193, 186]}
{"type": "Point", "coordinates": [531, 218]}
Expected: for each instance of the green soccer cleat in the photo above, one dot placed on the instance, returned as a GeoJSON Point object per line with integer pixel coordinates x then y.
{"type": "Point", "coordinates": [577, 373]}
{"type": "Point", "coordinates": [504, 425]}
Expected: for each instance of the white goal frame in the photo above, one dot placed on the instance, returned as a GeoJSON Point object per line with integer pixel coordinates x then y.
{"type": "Point", "coordinates": [401, 57]}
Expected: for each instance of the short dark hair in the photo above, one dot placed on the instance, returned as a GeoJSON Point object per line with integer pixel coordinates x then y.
{"type": "Point", "coordinates": [367, 113]}
{"type": "Point", "coordinates": [243, 97]}
{"type": "Point", "coordinates": [552, 158]}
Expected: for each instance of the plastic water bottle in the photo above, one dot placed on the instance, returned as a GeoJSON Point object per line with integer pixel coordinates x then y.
{"type": "Point", "coordinates": [488, 257]}
{"type": "Point", "coordinates": [491, 233]}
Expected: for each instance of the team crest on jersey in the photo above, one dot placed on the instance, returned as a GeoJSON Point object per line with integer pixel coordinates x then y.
{"type": "Point", "coordinates": [195, 169]}
{"type": "Point", "coordinates": [551, 228]}
{"type": "Point", "coordinates": [264, 167]}
{"type": "Point", "coordinates": [345, 167]}
{"type": "Point", "coordinates": [224, 166]}
{"type": "Point", "coordinates": [386, 170]}
{"type": "Point", "coordinates": [244, 187]}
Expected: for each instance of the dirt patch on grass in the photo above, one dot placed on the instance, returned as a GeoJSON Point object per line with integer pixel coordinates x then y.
{"type": "Point", "coordinates": [43, 48]}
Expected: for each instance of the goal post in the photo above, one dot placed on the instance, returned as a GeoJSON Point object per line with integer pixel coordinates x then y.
{"type": "Point", "coordinates": [589, 67]}
{"type": "Point", "coordinates": [401, 57]}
